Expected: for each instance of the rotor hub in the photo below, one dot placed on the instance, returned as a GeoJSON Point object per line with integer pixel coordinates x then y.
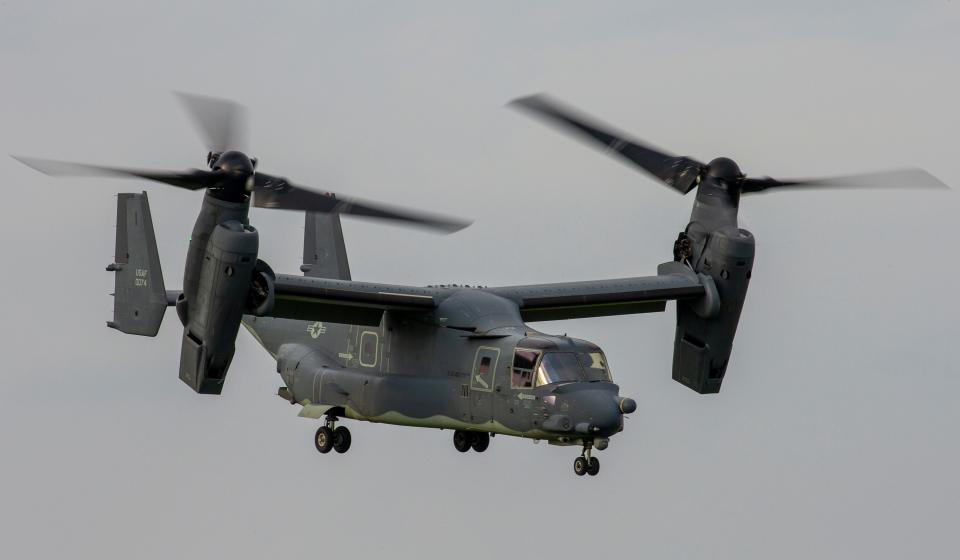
{"type": "Point", "coordinates": [233, 163]}
{"type": "Point", "coordinates": [724, 169]}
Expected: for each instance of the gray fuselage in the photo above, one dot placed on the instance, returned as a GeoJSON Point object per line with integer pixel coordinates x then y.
{"type": "Point", "coordinates": [470, 364]}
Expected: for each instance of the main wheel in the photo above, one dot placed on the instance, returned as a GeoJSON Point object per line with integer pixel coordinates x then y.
{"type": "Point", "coordinates": [323, 439]}
{"type": "Point", "coordinates": [462, 441]}
{"type": "Point", "coordinates": [593, 466]}
{"type": "Point", "coordinates": [580, 466]}
{"type": "Point", "coordinates": [341, 439]}
{"type": "Point", "coordinates": [481, 441]}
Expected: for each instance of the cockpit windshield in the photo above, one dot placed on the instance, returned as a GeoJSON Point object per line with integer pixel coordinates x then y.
{"type": "Point", "coordinates": [595, 366]}
{"type": "Point", "coordinates": [557, 367]}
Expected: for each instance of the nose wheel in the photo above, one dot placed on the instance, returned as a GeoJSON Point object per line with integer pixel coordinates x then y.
{"type": "Point", "coordinates": [341, 439]}
{"type": "Point", "coordinates": [586, 463]}
{"type": "Point", "coordinates": [323, 439]}
{"type": "Point", "coordinates": [330, 436]}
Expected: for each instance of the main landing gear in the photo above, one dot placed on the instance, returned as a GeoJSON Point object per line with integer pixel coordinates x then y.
{"type": "Point", "coordinates": [586, 463]}
{"type": "Point", "coordinates": [464, 441]}
{"type": "Point", "coordinates": [330, 436]}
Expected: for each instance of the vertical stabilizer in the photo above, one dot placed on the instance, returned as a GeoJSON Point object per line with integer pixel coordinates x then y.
{"type": "Point", "coordinates": [324, 252]}
{"type": "Point", "coordinates": [139, 299]}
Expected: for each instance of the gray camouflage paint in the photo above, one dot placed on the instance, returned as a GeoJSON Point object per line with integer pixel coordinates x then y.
{"type": "Point", "coordinates": [422, 374]}
{"type": "Point", "coordinates": [412, 356]}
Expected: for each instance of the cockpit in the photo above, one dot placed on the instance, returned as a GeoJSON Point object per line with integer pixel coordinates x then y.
{"type": "Point", "coordinates": [534, 368]}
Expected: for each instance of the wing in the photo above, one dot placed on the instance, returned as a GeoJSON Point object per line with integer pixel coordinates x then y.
{"type": "Point", "coordinates": [345, 301]}
{"type": "Point", "coordinates": [599, 298]}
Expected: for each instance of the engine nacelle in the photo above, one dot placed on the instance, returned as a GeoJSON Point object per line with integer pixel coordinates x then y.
{"type": "Point", "coordinates": [214, 315]}
{"type": "Point", "coordinates": [704, 337]}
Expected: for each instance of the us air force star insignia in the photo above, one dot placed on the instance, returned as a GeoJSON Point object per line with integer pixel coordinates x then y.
{"type": "Point", "coordinates": [316, 329]}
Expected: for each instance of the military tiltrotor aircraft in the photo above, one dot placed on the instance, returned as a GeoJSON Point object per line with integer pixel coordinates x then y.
{"type": "Point", "coordinates": [448, 357]}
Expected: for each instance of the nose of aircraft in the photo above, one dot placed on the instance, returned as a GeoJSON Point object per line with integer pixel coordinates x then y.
{"type": "Point", "coordinates": [601, 412]}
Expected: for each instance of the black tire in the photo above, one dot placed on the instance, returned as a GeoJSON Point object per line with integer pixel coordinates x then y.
{"type": "Point", "coordinates": [593, 466]}
{"type": "Point", "coordinates": [480, 442]}
{"type": "Point", "coordinates": [323, 439]}
{"type": "Point", "coordinates": [580, 466]}
{"type": "Point", "coordinates": [462, 441]}
{"type": "Point", "coordinates": [341, 439]}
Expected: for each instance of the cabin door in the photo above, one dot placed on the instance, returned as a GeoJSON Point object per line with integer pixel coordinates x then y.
{"type": "Point", "coordinates": [482, 380]}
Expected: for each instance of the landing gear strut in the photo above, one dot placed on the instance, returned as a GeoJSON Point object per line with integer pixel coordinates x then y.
{"type": "Point", "coordinates": [464, 441]}
{"type": "Point", "coordinates": [330, 436]}
{"type": "Point", "coordinates": [586, 463]}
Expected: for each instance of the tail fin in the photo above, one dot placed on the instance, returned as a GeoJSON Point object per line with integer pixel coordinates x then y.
{"type": "Point", "coordinates": [139, 299]}
{"type": "Point", "coordinates": [324, 252]}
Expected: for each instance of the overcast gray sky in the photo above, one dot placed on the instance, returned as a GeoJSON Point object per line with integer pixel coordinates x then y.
{"type": "Point", "coordinates": [835, 433]}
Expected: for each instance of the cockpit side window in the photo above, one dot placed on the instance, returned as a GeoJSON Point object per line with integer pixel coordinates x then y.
{"type": "Point", "coordinates": [595, 366]}
{"type": "Point", "coordinates": [524, 361]}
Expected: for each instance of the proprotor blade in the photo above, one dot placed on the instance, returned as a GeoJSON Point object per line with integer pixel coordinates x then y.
{"type": "Point", "coordinates": [221, 122]}
{"type": "Point", "coordinates": [193, 179]}
{"type": "Point", "coordinates": [276, 192]}
{"type": "Point", "coordinates": [896, 178]}
{"type": "Point", "coordinates": [678, 172]}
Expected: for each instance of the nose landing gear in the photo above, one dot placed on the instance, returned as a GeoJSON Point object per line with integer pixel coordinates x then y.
{"type": "Point", "coordinates": [330, 436]}
{"type": "Point", "coordinates": [586, 463]}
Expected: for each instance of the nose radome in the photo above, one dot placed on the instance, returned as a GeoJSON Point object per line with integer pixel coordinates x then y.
{"type": "Point", "coordinates": [603, 413]}
{"type": "Point", "coordinates": [613, 419]}
{"type": "Point", "coordinates": [591, 410]}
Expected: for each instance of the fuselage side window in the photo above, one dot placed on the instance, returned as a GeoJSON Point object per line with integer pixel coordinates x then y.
{"type": "Point", "coordinates": [369, 351]}
{"type": "Point", "coordinates": [524, 362]}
